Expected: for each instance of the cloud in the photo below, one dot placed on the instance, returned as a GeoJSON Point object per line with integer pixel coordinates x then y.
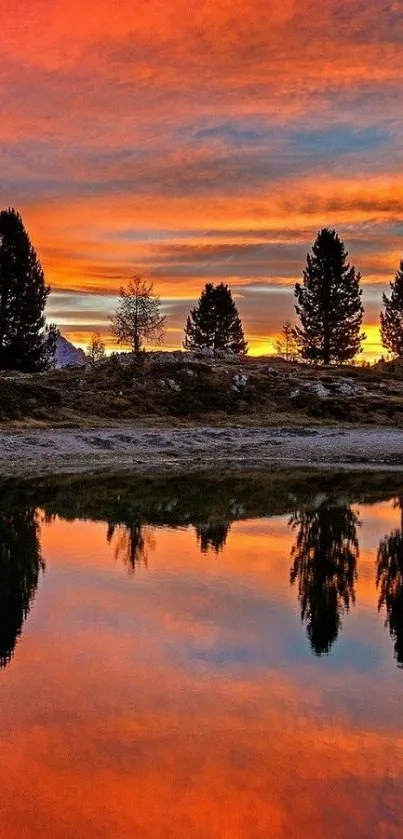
{"type": "Point", "coordinates": [202, 140]}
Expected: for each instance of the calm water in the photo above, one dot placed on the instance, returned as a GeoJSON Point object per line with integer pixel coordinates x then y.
{"type": "Point", "coordinates": [202, 659]}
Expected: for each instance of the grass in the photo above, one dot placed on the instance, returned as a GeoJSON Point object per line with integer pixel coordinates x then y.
{"type": "Point", "coordinates": [178, 392]}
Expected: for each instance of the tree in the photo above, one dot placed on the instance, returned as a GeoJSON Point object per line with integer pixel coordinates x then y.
{"type": "Point", "coordinates": [132, 543]}
{"type": "Point", "coordinates": [286, 345]}
{"type": "Point", "coordinates": [96, 348]}
{"type": "Point", "coordinates": [215, 323]}
{"type": "Point", "coordinates": [25, 343]}
{"type": "Point", "coordinates": [392, 316]}
{"type": "Point", "coordinates": [389, 582]}
{"type": "Point", "coordinates": [20, 567]}
{"type": "Point", "coordinates": [212, 535]}
{"type": "Point", "coordinates": [138, 316]}
{"type": "Point", "coordinates": [329, 303]}
{"type": "Point", "coordinates": [324, 562]}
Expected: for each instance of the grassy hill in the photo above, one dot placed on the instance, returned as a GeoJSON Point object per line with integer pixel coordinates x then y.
{"type": "Point", "coordinates": [179, 389]}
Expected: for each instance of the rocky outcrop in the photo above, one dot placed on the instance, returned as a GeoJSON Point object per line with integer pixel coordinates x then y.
{"type": "Point", "coordinates": [68, 355]}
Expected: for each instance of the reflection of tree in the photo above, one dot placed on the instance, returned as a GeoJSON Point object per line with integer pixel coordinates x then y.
{"type": "Point", "coordinates": [212, 535]}
{"type": "Point", "coordinates": [324, 565]}
{"type": "Point", "coordinates": [20, 565]}
{"type": "Point", "coordinates": [132, 543]}
{"type": "Point", "coordinates": [389, 581]}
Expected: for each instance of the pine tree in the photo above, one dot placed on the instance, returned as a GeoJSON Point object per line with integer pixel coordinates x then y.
{"type": "Point", "coordinates": [389, 582]}
{"type": "Point", "coordinates": [324, 566]}
{"type": "Point", "coordinates": [329, 303]}
{"type": "Point", "coordinates": [392, 316]}
{"type": "Point", "coordinates": [25, 343]}
{"type": "Point", "coordinates": [215, 323]}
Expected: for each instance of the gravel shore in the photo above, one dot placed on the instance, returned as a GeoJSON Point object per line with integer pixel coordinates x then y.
{"type": "Point", "coordinates": [48, 451]}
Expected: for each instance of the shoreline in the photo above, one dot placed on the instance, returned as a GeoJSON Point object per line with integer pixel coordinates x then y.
{"type": "Point", "coordinates": [138, 449]}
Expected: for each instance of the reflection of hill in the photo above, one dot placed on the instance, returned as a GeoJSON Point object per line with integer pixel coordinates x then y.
{"type": "Point", "coordinates": [197, 498]}
{"type": "Point", "coordinates": [20, 565]}
{"type": "Point", "coordinates": [324, 561]}
{"type": "Point", "coordinates": [389, 581]}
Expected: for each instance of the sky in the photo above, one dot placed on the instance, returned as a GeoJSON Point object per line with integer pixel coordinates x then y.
{"type": "Point", "coordinates": [202, 140]}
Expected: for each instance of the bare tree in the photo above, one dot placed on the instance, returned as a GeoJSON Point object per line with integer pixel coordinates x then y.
{"type": "Point", "coordinates": [96, 348]}
{"type": "Point", "coordinates": [138, 315]}
{"type": "Point", "coordinates": [286, 345]}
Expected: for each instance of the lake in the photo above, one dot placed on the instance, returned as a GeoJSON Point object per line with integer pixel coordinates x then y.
{"type": "Point", "coordinates": [202, 656]}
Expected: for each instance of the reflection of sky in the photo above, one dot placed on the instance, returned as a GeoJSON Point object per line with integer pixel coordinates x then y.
{"type": "Point", "coordinates": [182, 700]}
{"type": "Point", "coordinates": [194, 143]}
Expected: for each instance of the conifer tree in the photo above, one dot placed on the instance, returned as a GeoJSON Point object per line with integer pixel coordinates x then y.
{"type": "Point", "coordinates": [392, 316]}
{"type": "Point", "coordinates": [324, 566]}
{"type": "Point", "coordinates": [215, 323]}
{"type": "Point", "coordinates": [329, 303]}
{"type": "Point", "coordinates": [25, 343]}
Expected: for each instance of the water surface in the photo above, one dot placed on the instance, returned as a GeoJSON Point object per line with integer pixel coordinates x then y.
{"type": "Point", "coordinates": [202, 657]}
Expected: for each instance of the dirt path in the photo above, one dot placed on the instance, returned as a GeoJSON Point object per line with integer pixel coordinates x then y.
{"type": "Point", "coordinates": [145, 449]}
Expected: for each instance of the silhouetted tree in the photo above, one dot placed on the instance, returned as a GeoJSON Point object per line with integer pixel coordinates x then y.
{"type": "Point", "coordinates": [329, 303]}
{"type": "Point", "coordinates": [96, 348]}
{"type": "Point", "coordinates": [25, 342]}
{"type": "Point", "coordinates": [392, 316]}
{"type": "Point", "coordinates": [389, 581]}
{"type": "Point", "coordinates": [286, 345]}
{"type": "Point", "coordinates": [132, 543]}
{"type": "Point", "coordinates": [324, 562]}
{"type": "Point", "coordinates": [138, 315]}
{"type": "Point", "coordinates": [212, 536]}
{"type": "Point", "coordinates": [20, 566]}
{"type": "Point", "coordinates": [215, 323]}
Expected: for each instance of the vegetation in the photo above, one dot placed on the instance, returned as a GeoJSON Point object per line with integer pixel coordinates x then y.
{"type": "Point", "coordinates": [96, 348]}
{"type": "Point", "coordinates": [329, 304]}
{"type": "Point", "coordinates": [215, 323]}
{"type": "Point", "coordinates": [26, 344]}
{"type": "Point", "coordinates": [286, 345]}
{"type": "Point", "coordinates": [392, 316]}
{"type": "Point", "coordinates": [323, 561]}
{"type": "Point", "coordinates": [138, 316]}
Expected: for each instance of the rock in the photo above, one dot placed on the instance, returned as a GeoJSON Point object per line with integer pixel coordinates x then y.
{"type": "Point", "coordinates": [67, 355]}
{"type": "Point", "coordinates": [317, 389]}
{"type": "Point", "coordinates": [205, 352]}
{"type": "Point", "coordinates": [175, 386]}
{"type": "Point", "coordinates": [240, 381]}
{"type": "Point", "coordinates": [347, 390]}
{"type": "Point", "coordinates": [295, 394]}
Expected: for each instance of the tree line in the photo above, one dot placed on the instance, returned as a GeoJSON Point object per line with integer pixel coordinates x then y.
{"type": "Point", "coordinates": [323, 568]}
{"type": "Point", "coordinates": [328, 306]}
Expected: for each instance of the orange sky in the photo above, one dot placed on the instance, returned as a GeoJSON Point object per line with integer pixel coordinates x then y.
{"type": "Point", "coordinates": [202, 140]}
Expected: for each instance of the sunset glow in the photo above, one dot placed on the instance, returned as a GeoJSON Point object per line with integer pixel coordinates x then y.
{"type": "Point", "coordinates": [198, 140]}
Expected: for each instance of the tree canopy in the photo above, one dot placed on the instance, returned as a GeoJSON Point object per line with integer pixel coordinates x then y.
{"type": "Point", "coordinates": [392, 316]}
{"type": "Point", "coordinates": [324, 566]}
{"type": "Point", "coordinates": [329, 303]}
{"type": "Point", "coordinates": [138, 315]}
{"type": "Point", "coordinates": [215, 323]}
{"type": "Point", "coordinates": [26, 344]}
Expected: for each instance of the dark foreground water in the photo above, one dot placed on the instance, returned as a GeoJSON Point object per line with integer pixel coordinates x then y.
{"type": "Point", "coordinates": [202, 658]}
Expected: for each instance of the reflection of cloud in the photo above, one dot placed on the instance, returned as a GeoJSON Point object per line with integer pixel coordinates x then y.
{"type": "Point", "coordinates": [150, 687]}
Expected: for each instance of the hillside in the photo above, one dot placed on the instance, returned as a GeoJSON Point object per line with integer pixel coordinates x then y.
{"type": "Point", "coordinates": [180, 388]}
